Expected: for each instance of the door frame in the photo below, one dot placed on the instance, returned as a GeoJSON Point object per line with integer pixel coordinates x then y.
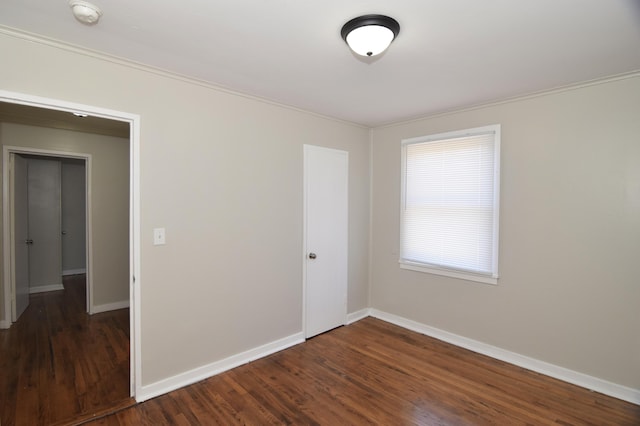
{"type": "Point", "coordinates": [8, 259]}
{"type": "Point", "coordinates": [13, 285]}
{"type": "Point", "coordinates": [133, 120]}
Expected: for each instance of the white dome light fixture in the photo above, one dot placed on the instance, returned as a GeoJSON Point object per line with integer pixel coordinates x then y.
{"type": "Point", "coordinates": [85, 12]}
{"type": "Point", "coordinates": [370, 35]}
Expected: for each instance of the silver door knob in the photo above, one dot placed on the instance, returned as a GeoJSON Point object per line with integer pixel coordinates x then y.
{"type": "Point", "coordinates": [312, 255]}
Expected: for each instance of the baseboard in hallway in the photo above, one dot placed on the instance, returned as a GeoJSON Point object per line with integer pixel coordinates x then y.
{"type": "Point", "coordinates": [73, 272]}
{"type": "Point", "coordinates": [46, 288]}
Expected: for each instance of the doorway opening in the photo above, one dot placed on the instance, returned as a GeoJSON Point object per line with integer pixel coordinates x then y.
{"type": "Point", "coordinates": [133, 122]}
{"type": "Point", "coordinates": [49, 201]}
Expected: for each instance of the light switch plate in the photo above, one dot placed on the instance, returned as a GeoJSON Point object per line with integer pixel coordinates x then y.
{"type": "Point", "coordinates": [158, 236]}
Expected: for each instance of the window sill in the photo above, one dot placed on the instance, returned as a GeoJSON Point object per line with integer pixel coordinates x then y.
{"type": "Point", "coordinates": [449, 273]}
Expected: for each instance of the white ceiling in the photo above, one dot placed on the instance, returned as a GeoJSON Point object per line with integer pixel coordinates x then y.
{"type": "Point", "coordinates": [449, 53]}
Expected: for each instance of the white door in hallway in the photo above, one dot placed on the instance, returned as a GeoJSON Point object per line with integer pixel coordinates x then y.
{"type": "Point", "coordinates": [74, 207]}
{"type": "Point", "coordinates": [326, 178]}
{"type": "Point", "coordinates": [45, 253]}
{"type": "Point", "coordinates": [20, 207]}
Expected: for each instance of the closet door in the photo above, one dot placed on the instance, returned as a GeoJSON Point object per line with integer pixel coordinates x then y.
{"type": "Point", "coordinates": [45, 253]}
{"type": "Point", "coordinates": [74, 202]}
{"type": "Point", "coordinates": [326, 173]}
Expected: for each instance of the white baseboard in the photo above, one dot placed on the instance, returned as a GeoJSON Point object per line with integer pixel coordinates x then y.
{"type": "Point", "coordinates": [197, 374]}
{"type": "Point", "coordinates": [358, 315]}
{"type": "Point", "coordinates": [74, 272]}
{"type": "Point", "coordinates": [4, 324]}
{"type": "Point", "coordinates": [560, 373]}
{"type": "Point", "coordinates": [110, 306]}
{"type": "Point", "coordinates": [45, 288]}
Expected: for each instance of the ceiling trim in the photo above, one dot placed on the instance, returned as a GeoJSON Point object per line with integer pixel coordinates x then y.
{"type": "Point", "coordinates": [517, 98]}
{"type": "Point", "coordinates": [36, 38]}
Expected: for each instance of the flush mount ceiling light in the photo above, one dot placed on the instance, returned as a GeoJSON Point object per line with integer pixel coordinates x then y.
{"type": "Point", "coordinates": [85, 12]}
{"type": "Point", "coordinates": [370, 35]}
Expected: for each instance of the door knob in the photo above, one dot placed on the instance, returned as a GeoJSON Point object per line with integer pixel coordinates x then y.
{"type": "Point", "coordinates": [312, 255]}
{"type": "Point", "coordinates": [28, 241]}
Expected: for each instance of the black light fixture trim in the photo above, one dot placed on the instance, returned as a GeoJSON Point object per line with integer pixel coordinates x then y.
{"type": "Point", "coordinates": [362, 21]}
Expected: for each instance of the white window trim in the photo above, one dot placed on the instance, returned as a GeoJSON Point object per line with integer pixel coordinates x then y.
{"type": "Point", "coordinates": [457, 273]}
{"type": "Point", "coordinates": [469, 276]}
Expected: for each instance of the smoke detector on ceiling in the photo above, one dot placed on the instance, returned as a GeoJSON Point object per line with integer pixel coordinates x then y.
{"type": "Point", "coordinates": [85, 12]}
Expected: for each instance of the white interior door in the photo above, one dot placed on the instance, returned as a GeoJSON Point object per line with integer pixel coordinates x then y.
{"type": "Point", "coordinates": [74, 206]}
{"type": "Point", "coordinates": [20, 278]}
{"type": "Point", "coordinates": [45, 254]}
{"type": "Point", "coordinates": [326, 174]}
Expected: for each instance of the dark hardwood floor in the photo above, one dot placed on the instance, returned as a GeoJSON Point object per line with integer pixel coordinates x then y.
{"type": "Point", "coordinates": [58, 364]}
{"type": "Point", "coordinates": [372, 372]}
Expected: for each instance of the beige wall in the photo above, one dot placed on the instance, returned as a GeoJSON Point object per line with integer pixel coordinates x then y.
{"type": "Point", "coordinates": [110, 199]}
{"type": "Point", "coordinates": [223, 174]}
{"type": "Point", "coordinates": [569, 287]}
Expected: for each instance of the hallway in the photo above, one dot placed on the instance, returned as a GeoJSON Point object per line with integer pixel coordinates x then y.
{"type": "Point", "coordinates": [57, 363]}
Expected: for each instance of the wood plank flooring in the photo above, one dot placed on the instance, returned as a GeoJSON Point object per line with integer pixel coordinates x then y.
{"type": "Point", "coordinates": [372, 372]}
{"type": "Point", "coordinates": [58, 364]}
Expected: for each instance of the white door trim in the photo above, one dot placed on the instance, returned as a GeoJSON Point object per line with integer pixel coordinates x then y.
{"type": "Point", "coordinates": [7, 151]}
{"type": "Point", "coordinates": [304, 240]}
{"type": "Point", "coordinates": [24, 210]}
{"type": "Point", "coordinates": [134, 216]}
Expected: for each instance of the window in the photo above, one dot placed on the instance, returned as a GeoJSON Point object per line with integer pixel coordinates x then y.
{"type": "Point", "coordinates": [450, 204]}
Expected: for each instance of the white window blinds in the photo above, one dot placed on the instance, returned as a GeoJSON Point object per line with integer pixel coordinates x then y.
{"type": "Point", "coordinates": [450, 201]}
